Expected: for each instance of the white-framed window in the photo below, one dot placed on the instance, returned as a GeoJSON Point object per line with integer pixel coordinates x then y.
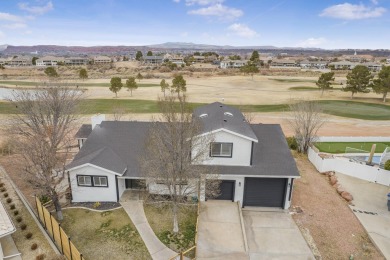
{"type": "Point", "coordinates": [84, 180]}
{"type": "Point", "coordinates": [221, 150]}
{"type": "Point", "coordinates": [100, 181]}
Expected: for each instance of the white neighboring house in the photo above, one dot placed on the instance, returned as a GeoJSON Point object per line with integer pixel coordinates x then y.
{"type": "Point", "coordinates": [7, 228]}
{"type": "Point", "coordinates": [255, 165]}
{"type": "Point", "coordinates": [49, 61]}
{"type": "Point", "coordinates": [232, 64]}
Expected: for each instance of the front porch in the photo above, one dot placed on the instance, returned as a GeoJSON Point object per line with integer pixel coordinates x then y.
{"type": "Point", "coordinates": [133, 189]}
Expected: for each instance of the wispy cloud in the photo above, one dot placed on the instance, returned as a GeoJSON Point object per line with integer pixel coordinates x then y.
{"type": "Point", "coordinates": [204, 2]}
{"type": "Point", "coordinates": [10, 17]}
{"type": "Point", "coordinates": [35, 9]}
{"type": "Point", "coordinates": [349, 11]}
{"type": "Point", "coordinates": [218, 10]}
{"type": "Point", "coordinates": [312, 42]}
{"type": "Point", "coordinates": [242, 30]}
{"type": "Point", "coordinates": [375, 2]}
{"type": "Point", "coordinates": [15, 26]}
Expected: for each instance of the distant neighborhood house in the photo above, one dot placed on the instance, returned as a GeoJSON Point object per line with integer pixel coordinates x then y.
{"type": "Point", "coordinates": [102, 60]}
{"type": "Point", "coordinates": [49, 61]}
{"type": "Point", "coordinates": [154, 60]}
{"type": "Point", "coordinates": [284, 63]}
{"type": "Point", "coordinates": [232, 64]}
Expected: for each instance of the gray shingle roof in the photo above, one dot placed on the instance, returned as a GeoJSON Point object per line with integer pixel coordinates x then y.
{"type": "Point", "coordinates": [271, 155]}
{"type": "Point", "coordinates": [117, 145]}
{"type": "Point", "coordinates": [217, 115]}
{"type": "Point", "coordinates": [84, 131]}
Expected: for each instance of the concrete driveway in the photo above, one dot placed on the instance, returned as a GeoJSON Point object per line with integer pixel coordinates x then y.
{"type": "Point", "coordinates": [370, 207]}
{"type": "Point", "coordinates": [274, 235]}
{"type": "Point", "coordinates": [220, 232]}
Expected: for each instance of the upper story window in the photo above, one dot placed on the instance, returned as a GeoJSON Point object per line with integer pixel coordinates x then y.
{"type": "Point", "coordinates": [221, 149]}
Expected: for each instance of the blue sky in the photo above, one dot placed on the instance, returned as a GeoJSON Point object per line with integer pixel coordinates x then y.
{"type": "Point", "coordinates": [329, 24]}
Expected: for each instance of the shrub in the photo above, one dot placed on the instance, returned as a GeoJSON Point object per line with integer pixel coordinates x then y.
{"type": "Point", "coordinates": [29, 235]}
{"type": "Point", "coordinates": [3, 189]}
{"type": "Point", "coordinates": [34, 246]}
{"type": "Point", "coordinates": [19, 219]}
{"type": "Point", "coordinates": [9, 200]}
{"type": "Point", "coordinates": [12, 206]}
{"type": "Point", "coordinates": [40, 257]}
{"type": "Point", "coordinates": [387, 165]}
{"type": "Point", "coordinates": [5, 195]}
{"type": "Point", "coordinates": [44, 199]}
{"type": "Point", "coordinates": [16, 212]}
{"type": "Point", "coordinates": [96, 205]}
{"type": "Point", "coordinates": [23, 226]}
{"type": "Point", "coordinates": [292, 142]}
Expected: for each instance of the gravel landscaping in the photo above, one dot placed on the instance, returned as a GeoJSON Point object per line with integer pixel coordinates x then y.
{"type": "Point", "coordinates": [324, 216]}
{"type": "Point", "coordinates": [24, 224]}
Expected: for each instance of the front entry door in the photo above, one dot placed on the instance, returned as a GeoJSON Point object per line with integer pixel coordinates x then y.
{"type": "Point", "coordinates": [135, 184]}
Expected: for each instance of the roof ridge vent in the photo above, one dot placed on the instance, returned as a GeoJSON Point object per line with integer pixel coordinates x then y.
{"type": "Point", "coordinates": [203, 115]}
{"type": "Point", "coordinates": [228, 114]}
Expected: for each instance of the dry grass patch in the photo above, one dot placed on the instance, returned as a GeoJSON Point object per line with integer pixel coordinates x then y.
{"type": "Point", "coordinates": [159, 216]}
{"type": "Point", "coordinates": [104, 235]}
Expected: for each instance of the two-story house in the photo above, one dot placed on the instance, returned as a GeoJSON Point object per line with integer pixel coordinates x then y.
{"type": "Point", "coordinates": [254, 162]}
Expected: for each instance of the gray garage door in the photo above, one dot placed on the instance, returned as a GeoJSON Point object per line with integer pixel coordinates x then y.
{"type": "Point", "coordinates": [264, 192]}
{"type": "Point", "coordinates": [226, 190]}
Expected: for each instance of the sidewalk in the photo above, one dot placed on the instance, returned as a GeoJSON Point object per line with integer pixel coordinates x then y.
{"type": "Point", "coordinates": [370, 207]}
{"type": "Point", "coordinates": [156, 248]}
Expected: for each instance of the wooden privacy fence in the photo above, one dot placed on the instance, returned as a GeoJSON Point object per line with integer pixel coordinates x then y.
{"type": "Point", "coordinates": [56, 233]}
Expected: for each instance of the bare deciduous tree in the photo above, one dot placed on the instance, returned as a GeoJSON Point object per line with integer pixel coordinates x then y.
{"type": "Point", "coordinates": [118, 111]}
{"type": "Point", "coordinates": [307, 119]}
{"type": "Point", "coordinates": [43, 131]}
{"type": "Point", "coordinates": [175, 152]}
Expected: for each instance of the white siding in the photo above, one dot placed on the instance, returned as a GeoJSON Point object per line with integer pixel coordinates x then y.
{"type": "Point", "coordinates": [121, 186]}
{"type": "Point", "coordinates": [242, 149]}
{"type": "Point", "coordinates": [91, 194]}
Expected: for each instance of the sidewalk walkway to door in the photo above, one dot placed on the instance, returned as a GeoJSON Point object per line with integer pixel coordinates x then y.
{"type": "Point", "coordinates": [156, 248]}
{"type": "Point", "coordinates": [220, 232]}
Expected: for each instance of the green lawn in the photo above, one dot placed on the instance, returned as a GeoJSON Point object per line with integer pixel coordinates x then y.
{"type": "Point", "coordinates": [160, 219]}
{"type": "Point", "coordinates": [349, 109]}
{"type": "Point", "coordinates": [303, 88]}
{"type": "Point", "coordinates": [104, 235]}
{"type": "Point", "coordinates": [339, 147]}
{"type": "Point", "coordinates": [353, 109]}
{"type": "Point", "coordinates": [80, 84]}
{"type": "Point", "coordinates": [295, 80]}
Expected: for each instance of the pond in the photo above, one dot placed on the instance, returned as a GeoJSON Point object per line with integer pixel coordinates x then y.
{"type": "Point", "coordinates": [6, 93]}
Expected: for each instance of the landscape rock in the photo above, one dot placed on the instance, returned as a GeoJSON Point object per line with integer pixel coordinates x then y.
{"type": "Point", "coordinates": [340, 189]}
{"type": "Point", "coordinates": [347, 196]}
{"type": "Point", "coordinates": [333, 180]}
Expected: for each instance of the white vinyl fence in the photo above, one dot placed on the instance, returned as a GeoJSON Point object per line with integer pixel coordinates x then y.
{"type": "Point", "coordinates": [363, 139]}
{"type": "Point", "coordinates": [344, 166]}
